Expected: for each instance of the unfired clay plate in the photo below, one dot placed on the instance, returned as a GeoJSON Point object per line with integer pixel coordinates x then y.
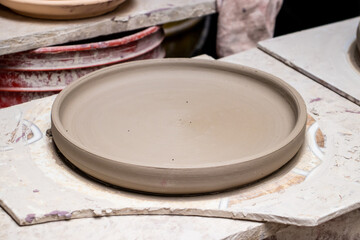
{"type": "Point", "coordinates": [178, 126]}
{"type": "Point", "coordinates": [61, 9]}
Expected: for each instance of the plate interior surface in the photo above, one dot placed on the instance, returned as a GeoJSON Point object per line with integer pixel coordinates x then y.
{"type": "Point", "coordinates": [179, 114]}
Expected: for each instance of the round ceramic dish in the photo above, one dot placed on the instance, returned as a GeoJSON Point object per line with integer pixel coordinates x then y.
{"type": "Point", "coordinates": [61, 9]}
{"type": "Point", "coordinates": [178, 126]}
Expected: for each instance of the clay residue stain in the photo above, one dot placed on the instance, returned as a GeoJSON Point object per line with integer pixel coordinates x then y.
{"type": "Point", "coordinates": [58, 213]}
{"type": "Point", "coordinates": [351, 111]}
{"type": "Point", "coordinates": [320, 139]}
{"type": "Point", "coordinates": [13, 136]}
{"type": "Point", "coordinates": [309, 121]}
{"type": "Point", "coordinates": [315, 100]}
{"type": "Point", "coordinates": [30, 217]}
{"type": "Point", "coordinates": [268, 188]}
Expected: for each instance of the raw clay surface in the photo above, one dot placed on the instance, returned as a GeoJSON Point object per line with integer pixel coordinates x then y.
{"type": "Point", "coordinates": [178, 126]}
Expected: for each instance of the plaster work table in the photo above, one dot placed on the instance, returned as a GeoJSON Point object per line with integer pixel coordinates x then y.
{"type": "Point", "coordinates": [328, 109]}
{"type": "Point", "coordinates": [20, 33]}
{"type": "Point", "coordinates": [326, 54]}
{"type": "Point", "coordinates": [336, 116]}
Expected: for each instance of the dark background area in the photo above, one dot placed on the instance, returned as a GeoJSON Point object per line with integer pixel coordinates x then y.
{"type": "Point", "coordinates": [296, 15]}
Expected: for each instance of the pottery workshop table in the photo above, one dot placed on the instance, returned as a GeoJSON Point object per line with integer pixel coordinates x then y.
{"type": "Point", "coordinates": [339, 120]}
{"type": "Point", "coordinates": [329, 111]}
{"type": "Point", "coordinates": [20, 33]}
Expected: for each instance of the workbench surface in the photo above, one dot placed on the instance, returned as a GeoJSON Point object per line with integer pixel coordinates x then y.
{"type": "Point", "coordinates": [328, 108]}
{"type": "Point", "coordinates": [336, 116]}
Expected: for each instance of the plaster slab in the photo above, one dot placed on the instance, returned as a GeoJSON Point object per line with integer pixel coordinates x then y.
{"type": "Point", "coordinates": [333, 188]}
{"type": "Point", "coordinates": [138, 227]}
{"type": "Point", "coordinates": [19, 33]}
{"type": "Point", "coordinates": [344, 227]}
{"type": "Point", "coordinates": [326, 54]}
{"type": "Point", "coordinates": [327, 107]}
{"type": "Point", "coordinates": [178, 227]}
{"type": "Point", "coordinates": [329, 191]}
{"type": "Point", "coordinates": [51, 190]}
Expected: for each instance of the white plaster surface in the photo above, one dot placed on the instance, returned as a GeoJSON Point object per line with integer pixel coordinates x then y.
{"type": "Point", "coordinates": [332, 188]}
{"type": "Point", "coordinates": [52, 191]}
{"type": "Point", "coordinates": [138, 227]}
{"type": "Point", "coordinates": [325, 54]}
{"type": "Point", "coordinates": [288, 196]}
{"type": "Point", "coordinates": [344, 227]}
{"type": "Point", "coordinates": [19, 33]}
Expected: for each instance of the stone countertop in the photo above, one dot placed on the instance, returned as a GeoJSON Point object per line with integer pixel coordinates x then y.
{"type": "Point", "coordinates": [20, 33]}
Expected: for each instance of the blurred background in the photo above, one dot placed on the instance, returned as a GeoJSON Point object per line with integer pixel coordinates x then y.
{"type": "Point", "coordinates": [199, 37]}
